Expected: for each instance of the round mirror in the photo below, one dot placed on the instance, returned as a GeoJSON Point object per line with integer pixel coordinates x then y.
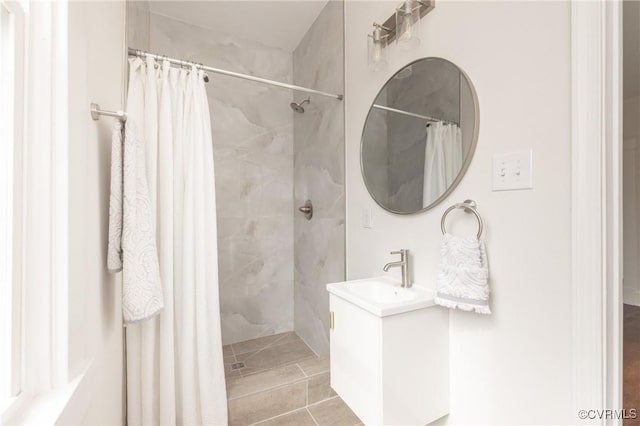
{"type": "Point", "coordinates": [419, 136]}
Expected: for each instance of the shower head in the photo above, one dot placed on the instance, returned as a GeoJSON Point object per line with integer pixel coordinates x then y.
{"type": "Point", "coordinates": [297, 106]}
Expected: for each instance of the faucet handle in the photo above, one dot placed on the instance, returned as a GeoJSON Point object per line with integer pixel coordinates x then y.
{"type": "Point", "coordinates": [401, 252]}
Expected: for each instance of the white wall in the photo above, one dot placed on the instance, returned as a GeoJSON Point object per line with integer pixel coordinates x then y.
{"type": "Point", "coordinates": [513, 366]}
{"type": "Point", "coordinates": [96, 46]}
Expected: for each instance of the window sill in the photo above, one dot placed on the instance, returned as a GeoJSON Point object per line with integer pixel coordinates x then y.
{"type": "Point", "coordinates": [43, 408]}
{"type": "Point", "coordinates": [6, 404]}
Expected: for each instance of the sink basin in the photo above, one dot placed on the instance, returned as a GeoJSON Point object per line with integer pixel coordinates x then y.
{"type": "Point", "coordinates": [383, 296]}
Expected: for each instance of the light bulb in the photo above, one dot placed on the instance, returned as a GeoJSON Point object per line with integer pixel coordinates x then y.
{"type": "Point", "coordinates": [407, 28]}
{"type": "Point", "coordinates": [377, 54]}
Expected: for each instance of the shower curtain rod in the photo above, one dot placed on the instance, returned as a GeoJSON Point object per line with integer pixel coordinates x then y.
{"type": "Point", "coordinates": [413, 114]}
{"type": "Point", "coordinates": [142, 53]}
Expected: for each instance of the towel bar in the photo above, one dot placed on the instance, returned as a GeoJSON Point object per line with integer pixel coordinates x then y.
{"type": "Point", "coordinates": [469, 206]}
{"type": "Point", "coordinates": [96, 112]}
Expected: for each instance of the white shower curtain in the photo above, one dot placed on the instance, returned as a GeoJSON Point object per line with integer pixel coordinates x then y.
{"type": "Point", "coordinates": [443, 160]}
{"type": "Point", "coordinates": [175, 372]}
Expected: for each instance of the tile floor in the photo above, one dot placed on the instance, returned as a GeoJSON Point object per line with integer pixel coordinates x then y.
{"type": "Point", "coordinates": [631, 361]}
{"type": "Point", "coordinates": [278, 380]}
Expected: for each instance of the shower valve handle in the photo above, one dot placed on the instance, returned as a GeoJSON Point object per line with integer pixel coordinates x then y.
{"type": "Point", "coordinates": [307, 209]}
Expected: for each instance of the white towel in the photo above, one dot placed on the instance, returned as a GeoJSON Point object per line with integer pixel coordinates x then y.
{"type": "Point", "coordinates": [463, 275]}
{"type": "Point", "coordinates": [132, 241]}
{"type": "Point", "coordinates": [114, 251]}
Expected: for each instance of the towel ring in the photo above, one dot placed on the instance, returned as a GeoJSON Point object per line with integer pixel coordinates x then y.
{"type": "Point", "coordinates": [469, 206]}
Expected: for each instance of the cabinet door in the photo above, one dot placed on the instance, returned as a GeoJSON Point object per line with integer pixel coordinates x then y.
{"type": "Point", "coordinates": [356, 359]}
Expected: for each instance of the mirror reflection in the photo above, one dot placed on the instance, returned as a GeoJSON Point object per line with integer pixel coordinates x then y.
{"type": "Point", "coordinates": [419, 136]}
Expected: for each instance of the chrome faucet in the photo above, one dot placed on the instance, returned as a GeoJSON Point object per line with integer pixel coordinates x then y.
{"type": "Point", "coordinates": [404, 263]}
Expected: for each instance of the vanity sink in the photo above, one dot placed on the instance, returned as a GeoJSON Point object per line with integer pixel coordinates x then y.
{"type": "Point", "coordinates": [389, 351]}
{"type": "Point", "coordinates": [383, 296]}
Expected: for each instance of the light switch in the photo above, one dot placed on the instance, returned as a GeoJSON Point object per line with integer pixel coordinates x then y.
{"type": "Point", "coordinates": [513, 171]}
{"type": "Point", "coordinates": [367, 222]}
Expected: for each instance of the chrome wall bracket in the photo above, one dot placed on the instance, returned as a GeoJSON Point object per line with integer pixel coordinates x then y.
{"type": "Point", "coordinates": [96, 112]}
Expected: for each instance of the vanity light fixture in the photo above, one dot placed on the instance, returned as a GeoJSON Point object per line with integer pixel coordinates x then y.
{"type": "Point", "coordinates": [402, 26]}
{"type": "Point", "coordinates": [377, 43]}
{"type": "Point", "coordinates": [407, 28]}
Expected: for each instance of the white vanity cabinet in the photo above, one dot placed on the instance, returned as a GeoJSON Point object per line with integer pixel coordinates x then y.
{"type": "Point", "coordinates": [389, 352]}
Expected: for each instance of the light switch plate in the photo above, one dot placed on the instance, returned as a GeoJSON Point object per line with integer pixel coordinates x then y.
{"type": "Point", "coordinates": [513, 171]}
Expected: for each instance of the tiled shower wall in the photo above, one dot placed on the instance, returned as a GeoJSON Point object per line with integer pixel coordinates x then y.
{"type": "Point", "coordinates": [138, 25]}
{"type": "Point", "coordinates": [319, 175]}
{"type": "Point", "coordinates": [252, 127]}
{"type": "Point", "coordinates": [253, 132]}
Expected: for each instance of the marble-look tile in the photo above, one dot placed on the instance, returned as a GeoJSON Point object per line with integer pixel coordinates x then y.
{"type": "Point", "coordinates": [252, 128]}
{"type": "Point", "coordinates": [319, 176]}
{"type": "Point", "coordinates": [319, 260]}
{"type": "Point", "coordinates": [319, 388]}
{"type": "Point", "coordinates": [138, 24]}
{"type": "Point", "coordinates": [333, 412]}
{"type": "Point", "coordinates": [318, 58]}
{"type": "Point", "coordinates": [252, 312]}
{"type": "Point", "coordinates": [263, 405]}
{"type": "Point", "coordinates": [296, 418]}
{"type": "Point", "coordinates": [256, 163]}
{"type": "Point", "coordinates": [276, 355]}
{"type": "Point", "coordinates": [261, 381]}
{"type": "Point", "coordinates": [315, 366]}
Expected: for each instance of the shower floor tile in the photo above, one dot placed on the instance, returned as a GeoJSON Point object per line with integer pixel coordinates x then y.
{"type": "Point", "coordinates": [227, 351]}
{"type": "Point", "coordinates": [264, 353]}
{"type": "Point", "coordinates": [275, 356]}
{"type": "Point", "coordinates": [259, 382]}
{"type": "Point", "coordinates": [260, 343]}
{"type": "Point", "coordinates": [279, 380]}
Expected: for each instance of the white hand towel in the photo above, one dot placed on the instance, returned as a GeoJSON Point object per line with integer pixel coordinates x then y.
{"type": "Point", "coordinates": [132, 240]}
{"type": "Point", "coordinates": [463, 275]}
{"type": "Point", "coordinates": [114, 251]}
